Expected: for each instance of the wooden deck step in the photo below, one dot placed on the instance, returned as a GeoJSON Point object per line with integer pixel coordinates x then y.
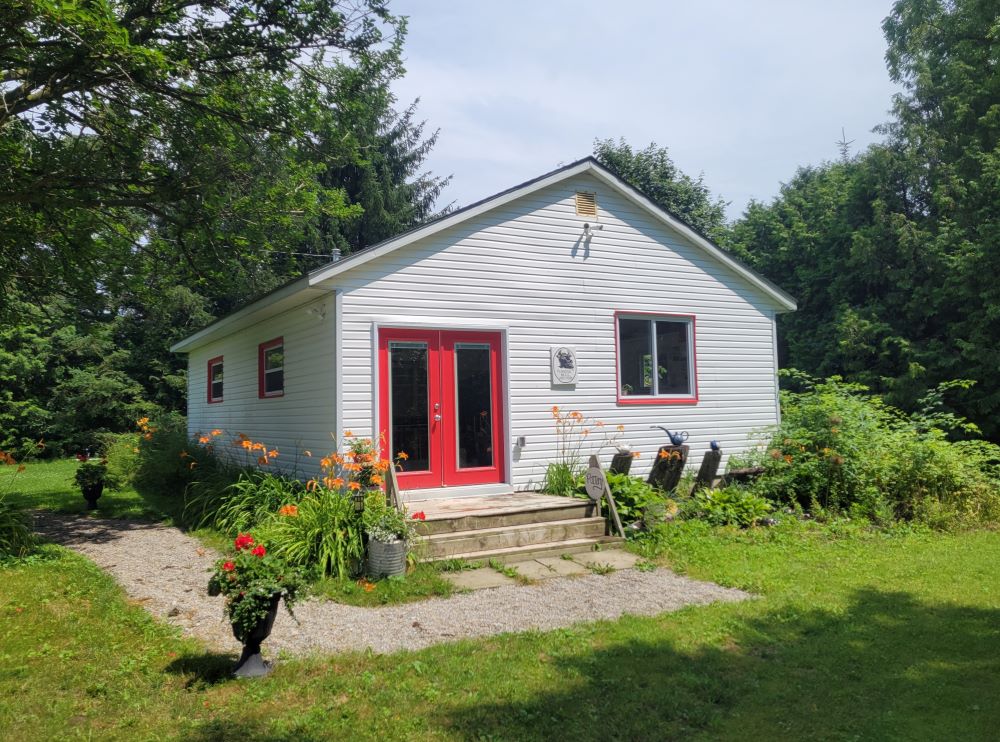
{"type": "Point", "coordinates": [446, 544]}
{"type": "Point", "coordinates": [521, 553]}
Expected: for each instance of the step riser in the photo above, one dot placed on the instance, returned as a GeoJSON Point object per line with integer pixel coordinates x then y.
{"type": "Point", "coordinates": [535, 551]}
{"type": "Point", "coordinates": [444, 546]}
{"type": "Point", "coordinates": [477, 522]}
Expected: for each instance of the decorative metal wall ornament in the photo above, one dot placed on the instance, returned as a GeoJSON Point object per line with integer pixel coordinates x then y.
{"type": "Point", "coordinates": [563, 360]}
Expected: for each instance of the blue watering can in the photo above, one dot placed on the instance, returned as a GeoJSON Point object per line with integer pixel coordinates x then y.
{"type": "Point", "coordinates": [676, 438]}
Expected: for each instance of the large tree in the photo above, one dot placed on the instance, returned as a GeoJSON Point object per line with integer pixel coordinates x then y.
{"type": "Point", "coordinates": [653, 172]}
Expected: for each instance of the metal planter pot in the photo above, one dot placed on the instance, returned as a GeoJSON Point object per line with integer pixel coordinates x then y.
{"type": "Point", "coordinates": [386, 559]}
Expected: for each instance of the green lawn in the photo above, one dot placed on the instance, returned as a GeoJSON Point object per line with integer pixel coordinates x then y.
{"type": "Point", "coordinates": [855, 636]}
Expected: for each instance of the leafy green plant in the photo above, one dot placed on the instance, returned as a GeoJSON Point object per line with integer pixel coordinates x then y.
{"type": "Point", "coordinates": [323, 531]}
{"type": "Point", "coordinates": [121, 452]}
{"type": "Point", "coordinates": [90, 474]}
{"type": "Point", "coordinates": [730, 506]}
{"type": "Point", "coordinates": [249, 578]}
{"type": "Point", "coordinates": [561, 479]}
{"type": "Point", "coordinates": [252, 498]}
{"type": "Point", "coordinates": [385, 523]}
{"type": "Point", "coordinates": [840, 449]}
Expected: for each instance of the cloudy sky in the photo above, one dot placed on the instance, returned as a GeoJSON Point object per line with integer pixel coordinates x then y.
{"type": "Point", "coordinates": [742, 91]}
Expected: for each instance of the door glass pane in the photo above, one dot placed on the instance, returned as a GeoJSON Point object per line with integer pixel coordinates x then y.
{"type": "Point", "coordinates": [635, 357]}
{"type": "Point", "coordinates": [672, 358]}
{"type": "Point", "coordinates": [408, 405]}
{"type": "Point", "coordinates": [473, 405]}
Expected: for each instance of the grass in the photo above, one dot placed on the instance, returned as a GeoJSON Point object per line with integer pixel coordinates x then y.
{"type": "Point", "coordinates": [855, 635]}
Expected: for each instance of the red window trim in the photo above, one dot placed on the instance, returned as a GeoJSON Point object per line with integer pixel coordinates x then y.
{"type": "Point", "coordinates": [261, 350]}
{"type": "Point", "coordinates": [650, 400]}
{"type": "Point", "coordinates": [213, 362]}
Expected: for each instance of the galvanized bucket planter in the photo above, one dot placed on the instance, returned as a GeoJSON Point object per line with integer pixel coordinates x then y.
{"type": "Point", "coordinates": [386, 559]}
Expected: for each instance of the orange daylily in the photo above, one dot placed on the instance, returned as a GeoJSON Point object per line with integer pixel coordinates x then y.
{"type": "Point", "coordinates": [353, 486]}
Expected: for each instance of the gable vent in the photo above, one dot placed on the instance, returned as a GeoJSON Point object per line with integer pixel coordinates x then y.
{"type": "Point", "coordinates": [586, 204]}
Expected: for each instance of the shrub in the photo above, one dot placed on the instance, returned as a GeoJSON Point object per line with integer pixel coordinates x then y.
{"type": "Point", "coordinates": [632, 495]}
{"type": "Point", "coordinates": [840, 449]}
{"type": "Point", "coordinates": [121, 451]}
{"type": "Point", "coordinates": [323, 530]}
{"type": "Point", "coordinates": [165, 455]}
{"type": "Point", "coordinates": [730, 506]}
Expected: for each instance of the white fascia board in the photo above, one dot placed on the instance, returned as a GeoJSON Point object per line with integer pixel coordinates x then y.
{"type": "Point", "coordinates": [341, 266]}
{"type": "Point", "coordinates": [786, 302]}
{"type": "Point", "coordinates": [240, 318]}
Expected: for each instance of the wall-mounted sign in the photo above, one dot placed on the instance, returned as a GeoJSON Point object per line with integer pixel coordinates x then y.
{"type": "Point", "coordinates": [563, 364]}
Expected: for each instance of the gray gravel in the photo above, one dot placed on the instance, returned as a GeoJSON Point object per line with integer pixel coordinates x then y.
{"type": "Point", "coordinates": [166, 571]}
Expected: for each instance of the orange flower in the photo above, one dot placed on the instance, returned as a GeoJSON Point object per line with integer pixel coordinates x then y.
{"type": "Point", "coordinates": [21, 468]}
{"type": "Point", "coordinates": [142, 420]}
{"type": "Point", "coordinates": [348, 434]}
{"type": "Point", "coordinates": [376, 479]}
{"type": "Point", "coordinates": [585, 431]}
{"type": "Point", "coordinates": [403, 455]}
{"type": "Point", "coordinates": [663, 455]}
{"type": "Point", "coordinates": [148, 436]}
{"type": "Point", "coordinates": [289, 510]}
{"type": "Point", "coordinates": [203, 439]}
{"type": "Point", "coordinates": [262, 460]}
{"type": "Point", "coordinates": [335, 482]}
{"type": "Point", "coordinates": [576, 415]}
{"type": "Point", "coordinates": [636, 454]}
{"type": "Point", "coordinates": [325, 462]}
{"type": "Point", "coordinates": [621, 428]}
{"type": "Point", "coordinates": [184, 454]}
{"type": "Point", "coordinates": [242, 436]}
{"type": "Point", "coordinates": [788, 458]}
{"type": "Point", "coordinates": [311, 485]}
{"type": "Point", "coordinates": [366, 585]}
{"type": "Point", "coordinates": [354, 486]}
{"type": "Point", "coordinates": [272, 453]}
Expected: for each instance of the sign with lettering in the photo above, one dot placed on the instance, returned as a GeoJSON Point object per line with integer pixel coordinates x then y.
{"type": "Point", "coordinates": [595, 483]}
{"type": "Point", "coordinates": [563, 358]}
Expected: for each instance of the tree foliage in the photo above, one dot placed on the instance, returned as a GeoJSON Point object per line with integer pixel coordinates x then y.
{"type": "Point", "coordinates": [893, 254]}
{"type": "Point", "coordinates": [653, 172]}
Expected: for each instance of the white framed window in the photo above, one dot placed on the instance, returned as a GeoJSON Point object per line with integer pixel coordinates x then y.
{"type": "Point", "coordinates": [656, 361]}
{"type": "Point", "coordinates": [271, 368]}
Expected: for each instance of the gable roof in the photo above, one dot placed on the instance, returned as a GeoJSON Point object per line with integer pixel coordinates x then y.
{"type": "Point", "coordinates": [310, 286]}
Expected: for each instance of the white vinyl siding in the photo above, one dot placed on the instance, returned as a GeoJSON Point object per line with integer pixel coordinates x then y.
{"type": "Point", "coordinates": [303, 417]}
{"type": "Point", "coordinates": [527, 269]}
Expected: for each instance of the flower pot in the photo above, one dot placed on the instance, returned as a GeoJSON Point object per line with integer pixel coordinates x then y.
{"type": "Point", "coordinates": [386, 559]}
{"type": "Point", "coordinates": [251, 664]}
{"type": "Point", "coordinates": [91, 493]}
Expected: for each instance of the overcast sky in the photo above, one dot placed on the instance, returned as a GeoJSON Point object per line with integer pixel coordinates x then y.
{"type": "Point", "coordinates": [742, 91]}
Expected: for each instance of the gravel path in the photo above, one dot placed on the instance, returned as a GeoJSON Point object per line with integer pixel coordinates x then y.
{"type": "Point", "coordinates": [166, 571]}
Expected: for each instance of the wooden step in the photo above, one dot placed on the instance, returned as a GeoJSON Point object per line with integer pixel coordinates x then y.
{"type": "Point", "coordinates": [533, 551]}
{"type": "Point", "coordinates": [447, 544]}
{"type": "Point", "coordinates": [569, 509]}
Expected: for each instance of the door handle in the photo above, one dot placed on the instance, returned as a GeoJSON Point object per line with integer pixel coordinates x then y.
{"type": "Point", "coordinates": [437, 418]}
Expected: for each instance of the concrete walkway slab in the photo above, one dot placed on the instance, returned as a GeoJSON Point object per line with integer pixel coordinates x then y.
{"type": "Point", "coordinates": [612, 558]}
{"type": "Point", "coordinates": [478, 579]}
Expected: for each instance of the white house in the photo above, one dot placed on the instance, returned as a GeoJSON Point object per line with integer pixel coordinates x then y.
{"type": "Point", "coordinates": [455, 340]}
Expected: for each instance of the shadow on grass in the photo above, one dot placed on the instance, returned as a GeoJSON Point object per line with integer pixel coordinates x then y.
{"type": "Point", "coordinates": [887, 667]}
{"type": "Point", "coordinates": [210, 668]}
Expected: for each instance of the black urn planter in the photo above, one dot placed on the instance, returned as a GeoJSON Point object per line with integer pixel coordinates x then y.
{"type": "Point", "coordinates": [91, 493]}
{"type": "Point", "coordinates": [251, 664]}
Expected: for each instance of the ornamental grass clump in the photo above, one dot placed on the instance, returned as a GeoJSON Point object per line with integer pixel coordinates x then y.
{"type": "Point", "coordinates": [16, 536]}
{"type": "Point", "coordinates": [250, 578]}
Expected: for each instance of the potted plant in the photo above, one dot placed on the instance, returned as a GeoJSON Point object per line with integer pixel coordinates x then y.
{"type": "Point", "coordinates": [390, 533]}
{"type": "Point", "coordinates": [254, 583]}
{"type": "Point", "coordinates": [90, 477]}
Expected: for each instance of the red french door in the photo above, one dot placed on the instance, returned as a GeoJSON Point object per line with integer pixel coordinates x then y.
{"type": "Point", "coordinates": [440, 404]}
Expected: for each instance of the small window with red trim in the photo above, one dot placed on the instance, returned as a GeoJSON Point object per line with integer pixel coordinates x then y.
{"type": "Point", "coordinates": [271, 366]}
{"type": "Point", "coordinates": [655, 358]}
{"type": "Point", "coordinates": [215, 380]}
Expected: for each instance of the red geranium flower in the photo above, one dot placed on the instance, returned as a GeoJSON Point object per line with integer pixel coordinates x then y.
{"type": "Point", "coordinates": [228, 566]}
{"type": "Point", "coordinates": [243, 541]}
{"type": "Point", "coordinates": [259, 550]}
{"type": "Point", "coordinates": [419, 515]}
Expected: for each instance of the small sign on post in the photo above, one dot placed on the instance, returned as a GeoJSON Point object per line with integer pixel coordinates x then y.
{"type": "Point", "coordinates": [597, 485]}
